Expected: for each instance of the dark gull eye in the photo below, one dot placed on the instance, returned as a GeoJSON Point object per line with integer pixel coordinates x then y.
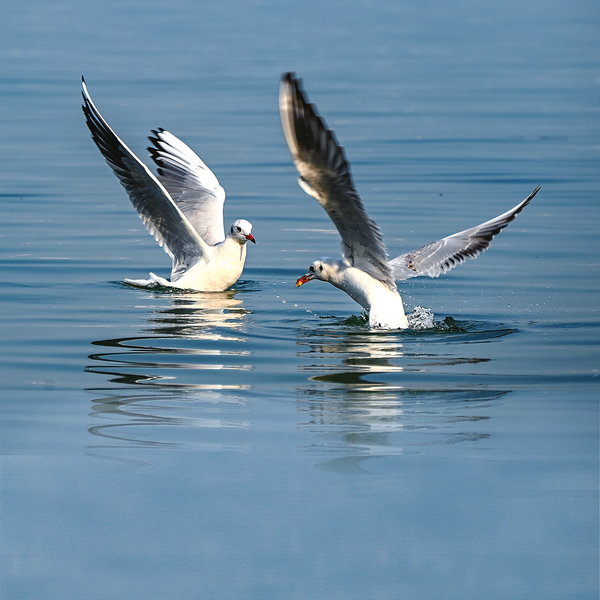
{"type": "Point", "coordinates": [312, 269]}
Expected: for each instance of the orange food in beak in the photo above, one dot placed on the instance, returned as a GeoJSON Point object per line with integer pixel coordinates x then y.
{"type": "Point", "coordinates": [304, 279]}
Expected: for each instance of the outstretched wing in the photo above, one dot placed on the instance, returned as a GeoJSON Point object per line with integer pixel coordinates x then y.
{"type": "Point", "coordinates": [437, 258]}
{"type": "Point", "coordinates": [191, 184]}
{"type": "Point", "coordinates": [159, 213]}
{"type": "Point", "coordinates": [325, 174]}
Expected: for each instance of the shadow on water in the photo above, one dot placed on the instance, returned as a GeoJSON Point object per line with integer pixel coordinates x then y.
{"type": "Point", "coordinates": [362, 399]}
{"type": "Point", "coordinates": [168, 383]}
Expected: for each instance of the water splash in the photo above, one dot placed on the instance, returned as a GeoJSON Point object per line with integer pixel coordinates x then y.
{"type": "Point", "coordinates": [421, 318]}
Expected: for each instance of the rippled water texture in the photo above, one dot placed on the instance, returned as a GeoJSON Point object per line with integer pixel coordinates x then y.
{"type": "Point", "coordinates": [263, 442]}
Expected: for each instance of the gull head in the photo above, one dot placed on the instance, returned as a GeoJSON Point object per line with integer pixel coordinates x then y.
{"type": "Point", "coordinates": [241, 231]}
{"type": "Point", "coordinates": [323, 269]}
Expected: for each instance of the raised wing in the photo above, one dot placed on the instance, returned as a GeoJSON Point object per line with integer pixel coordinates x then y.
{"type": "Point", "coordinates": [436, 258]}
{"type": "Point", "coordinates": [159, 213]}
{"type": "Point", "coordinates": [191, 184]}
{"type": "Point", "coordinates": [325, 174]}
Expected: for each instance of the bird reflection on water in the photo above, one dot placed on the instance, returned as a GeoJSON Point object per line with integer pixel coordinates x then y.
{"type": "Point", "coordinates": [189, 380]}
{"type": "Point", "coordinates": [172, 375]}
{"type": "Point", "coordinates": [373, 395]}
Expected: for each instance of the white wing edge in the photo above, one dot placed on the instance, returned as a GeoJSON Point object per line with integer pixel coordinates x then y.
{"type": "Point", "coordinates": [130, 156]}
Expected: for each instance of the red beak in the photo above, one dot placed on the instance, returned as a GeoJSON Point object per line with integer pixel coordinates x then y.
{"type": "Point", "coordinates": [250, 238]}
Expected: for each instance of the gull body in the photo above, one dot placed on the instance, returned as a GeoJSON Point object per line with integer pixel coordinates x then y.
{"type": "Point", "coordinates": [182, 208]}
{"type": "Point", "coordinates": [384, 304]}
{"type": "Point", "coordinates": [364, 272]}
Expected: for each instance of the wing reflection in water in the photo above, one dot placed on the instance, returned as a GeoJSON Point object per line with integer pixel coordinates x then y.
{"type": "Point", "coordinates": [200, 316]}
{"type": "Point", "coordinates": [372, 395]}
{"type": "Point", "coordinates": [172, 377]}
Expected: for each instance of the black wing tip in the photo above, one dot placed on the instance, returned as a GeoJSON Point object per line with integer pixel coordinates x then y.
{"type": "Point", "coordinates": [156, 147]}
{"type": "Point", "coordinates": [87, 106]}
{"type": "Point", "coordinates": [481, 244]}
{"type": "Point", "coordinates": [83, 89]}
{"type": "Point", "coordinates": [525, 202]}
{"type": "Point", "coordinates": [155, 139]}
{"type": "Point", "coordinates": [531, 196]}
{"type": "Point", "coordinates": [305, 114]}
{"type": "Point", "coordinates": [290, 77]}
{"type": "Point", "coordinates": [298, 92]}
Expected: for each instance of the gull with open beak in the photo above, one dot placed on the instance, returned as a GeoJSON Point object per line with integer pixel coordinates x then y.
{"type": "Point", "coordinates": [364, 272]}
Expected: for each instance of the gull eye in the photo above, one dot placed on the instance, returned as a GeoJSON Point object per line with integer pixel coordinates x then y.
{"type": "Point", "coordinates": [238, 229]}
{"type": "Point", "coordinates": [312, 268]}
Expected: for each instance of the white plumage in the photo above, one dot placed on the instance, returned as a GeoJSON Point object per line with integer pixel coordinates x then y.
{"type": "Point", "coordinates": [182, 208]}
{"type": "Point", "coordinates": [364, 272]}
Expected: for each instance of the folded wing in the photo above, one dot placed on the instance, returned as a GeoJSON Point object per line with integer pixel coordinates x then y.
{"type": "Point", "coordinates": [191, 184]}
{"type": "Point", "coordinates": [325, 174]}
{"type": "Point", "coordinates": [437, 258]}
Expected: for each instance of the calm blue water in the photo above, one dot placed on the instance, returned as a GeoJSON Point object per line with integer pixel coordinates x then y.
{"type": "Point", "coordinates": [263, 443]}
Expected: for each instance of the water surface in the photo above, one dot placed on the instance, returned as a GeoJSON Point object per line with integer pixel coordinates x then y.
{"type": "Point", "coordinates": [262, 442]}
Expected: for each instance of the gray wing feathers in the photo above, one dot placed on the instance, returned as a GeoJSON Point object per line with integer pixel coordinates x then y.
{"type": "Point", "coordinates": [437, 258]}
{"type": "Point", "coordinates": [157, 211]}
{"type": "Point", "coordinates": [325, 174]}
{"type": "Point", "coordinates": [191, 184]}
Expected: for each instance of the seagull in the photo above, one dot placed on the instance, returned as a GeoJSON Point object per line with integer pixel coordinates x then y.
{"type": "Point", "coordinates": [364, 272]}
{"type": "Point", "coordinates": [182, 208]}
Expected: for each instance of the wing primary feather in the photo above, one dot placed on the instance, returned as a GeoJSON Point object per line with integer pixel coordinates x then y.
{"type": "Point", "coordinates": [325, 174]}
{"type": "Point", "coordinates": [190, 183]}
{"type": "Point", "coordinates": [441, 256]}
{"type": "Point", "coordinates": [156, 209]}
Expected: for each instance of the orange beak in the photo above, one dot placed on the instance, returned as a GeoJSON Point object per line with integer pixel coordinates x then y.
{"type": "Point", "coordinates": [304, 279]}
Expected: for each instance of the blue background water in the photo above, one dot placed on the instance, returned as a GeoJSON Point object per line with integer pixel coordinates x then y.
{"type": "Point", "coordinates": [261, 443]}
